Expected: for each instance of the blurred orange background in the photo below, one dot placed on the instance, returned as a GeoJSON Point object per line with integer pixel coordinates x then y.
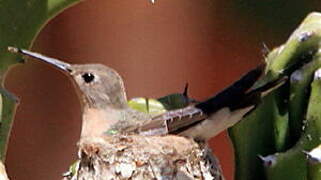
{"type": "Point", "coordinates": [156, 48]}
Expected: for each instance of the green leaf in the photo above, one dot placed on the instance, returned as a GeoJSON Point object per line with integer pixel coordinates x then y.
{"type": "Point", "coordinates": [293, 164]}
{"type": "Point", "coordinates": [162, 104]}
{"type": "Point", "coordinates": [146, 105]}
{"type": "Point", "coordinates": [254, 136]}
{"type": "Point", "coordinates": [268, 131]}
{"type": "Point", "coordinates": [300, 83]}
{"type": "Point", "coordinates": [20, 22]}
{"type": "Point", "coordinates": [304, 40]}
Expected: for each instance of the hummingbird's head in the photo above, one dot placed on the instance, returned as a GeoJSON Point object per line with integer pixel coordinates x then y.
{"type": "Point", "coordinates": [97, 85]}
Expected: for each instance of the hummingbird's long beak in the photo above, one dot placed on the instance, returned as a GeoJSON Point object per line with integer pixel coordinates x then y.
{"type": "Point", "coordinates": [52, 61]}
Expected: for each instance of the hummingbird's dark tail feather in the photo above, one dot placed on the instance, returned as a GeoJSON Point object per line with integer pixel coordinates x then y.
{"type": "Point", "coordinates": [237, 96]}
{"type": "Point", "coordinates": [254, 96]}
{"type": "Point", "coordinates": [233, 94]}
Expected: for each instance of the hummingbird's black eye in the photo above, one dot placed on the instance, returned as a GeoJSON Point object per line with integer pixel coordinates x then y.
{"type": "Point", "coordinates": [88, 77]}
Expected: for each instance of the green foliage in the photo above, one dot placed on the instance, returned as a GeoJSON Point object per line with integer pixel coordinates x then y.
{"type": "Point", "coordinates": [288, 121]}
{"type": "Point", "coordinates": [147, 105]}
{"type": "Point", "coordinates": [162, 104]}
{"type": "Point", "coordinates": [20, 22]}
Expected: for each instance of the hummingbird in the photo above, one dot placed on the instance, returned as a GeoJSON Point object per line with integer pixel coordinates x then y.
{"type": "Point", "coordinates": [204, 120]}
{"type": "Point", "coordinates": [105, 110]}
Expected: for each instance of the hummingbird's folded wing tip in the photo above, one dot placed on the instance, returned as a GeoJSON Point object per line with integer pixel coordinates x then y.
{"type": "Point", "coordinates": [271, 86]}
{"type": "Point", "coordinates": [233, 95]}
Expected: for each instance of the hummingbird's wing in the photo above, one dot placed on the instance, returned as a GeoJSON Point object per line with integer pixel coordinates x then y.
{"type": "Point", "coordinates": [222, 110]}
